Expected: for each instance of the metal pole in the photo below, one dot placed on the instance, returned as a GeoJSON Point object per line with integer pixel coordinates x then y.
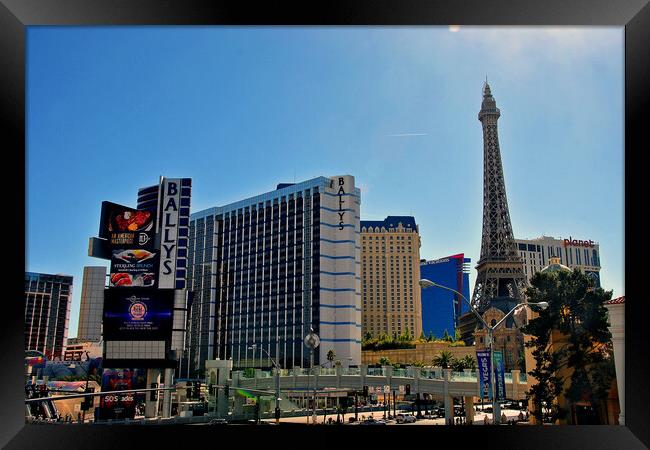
{"type": "Point", "coordinates": [311, 368]}
{"type": "Point", "coordinates": [277, 382]}
{"type": "Point", "coordinates": [495, 414]}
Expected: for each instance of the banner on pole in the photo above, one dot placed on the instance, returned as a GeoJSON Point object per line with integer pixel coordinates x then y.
{"type": "Point", "coordinates": [484, 371]}
{"type": "Point", "coordinates": [500, 379]}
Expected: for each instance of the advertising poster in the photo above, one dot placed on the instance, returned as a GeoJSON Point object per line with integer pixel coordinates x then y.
{"type": "Point", "coordinates": [127, 227]}
{"type": "Point", "coordinates": [133, 267]}
{"type": "Point", "coordinates": [484, 366]}
{"type": "Point", "coordinates": [138, 314]}
{"type": "Point", "coordinates": [499, 380]}
{"type": "Point", "coordinates": [121, 406]}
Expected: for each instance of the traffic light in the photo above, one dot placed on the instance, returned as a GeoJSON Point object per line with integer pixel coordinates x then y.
{"type": "Point", "coordinates": [365, 391]}
{"type": "Point", "coordinates": [87, 402]}
{"type": "Point", "coordinates": [153, 395]}
{"type": "Point", "coordinates": [226, 391]}
{"type": "Point", "coordinates": [196, 390]}
{"type": "Point", "coordinates": [408, 389]}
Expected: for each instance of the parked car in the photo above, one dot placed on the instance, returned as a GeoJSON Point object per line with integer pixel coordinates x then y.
{"type": "Point", "coordinates": [372, 421]}
{"type": "Point", "coordinates": [404, 418]}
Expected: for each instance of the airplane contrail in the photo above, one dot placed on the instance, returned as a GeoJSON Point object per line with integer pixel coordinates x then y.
{"type": "Point", "coordinates": [407, 134]}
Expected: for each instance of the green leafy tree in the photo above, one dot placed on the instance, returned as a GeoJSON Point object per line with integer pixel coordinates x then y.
{"type": "Point", "coordinates": [577, 312]}
{"type": "Point", "coordinates": [446, 337]}
{"type": "Point", "coordinates": [432, 337]}
{"type": "Point", "coordinates": [422, 337]}
{"type": "Point", "coordinates": [445, 359]}
{"type": "Point", "coordinates": [457, 335]}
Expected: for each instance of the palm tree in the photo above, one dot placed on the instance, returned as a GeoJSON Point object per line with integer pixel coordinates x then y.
{"type": "Point", "coordinates": [330, 356]}
{"type": "Point", "coordinates": [445, 359]}
{"type": "Point", "coordinates": [469, 362]}
{"type": "Point", "coordinates": [383, 361]}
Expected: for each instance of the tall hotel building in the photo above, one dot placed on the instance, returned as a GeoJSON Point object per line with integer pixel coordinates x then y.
{"type": "Point", "coordinates": [92, 304]}
{"type": "Point", "coordinates": [390, 268]}
{"type": "Point", "coordinates": [266, 269]}
{"type": "Point", "coordinates": [441, 308]}
{"type": "Point", "coordinates": [47, 312]}
{"type": "Point", "coordinates": [573, 253]}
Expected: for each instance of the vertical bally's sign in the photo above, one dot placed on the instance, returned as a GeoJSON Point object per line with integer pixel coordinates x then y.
{"type": "Point", "coordinates": [341, 185]}
{"type": "Point", "coordinates": [169, 215]}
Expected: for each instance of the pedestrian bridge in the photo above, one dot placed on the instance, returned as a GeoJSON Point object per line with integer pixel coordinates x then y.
{"type": "Point", "coordinates": [438, 382]}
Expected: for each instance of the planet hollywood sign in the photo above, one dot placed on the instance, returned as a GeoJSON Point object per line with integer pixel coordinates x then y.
{"type": "Point", "coordinates": [578, 243]}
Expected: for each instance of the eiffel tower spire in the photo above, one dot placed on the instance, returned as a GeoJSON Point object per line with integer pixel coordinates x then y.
{"type": "Point", "coordinates": [500, 269]}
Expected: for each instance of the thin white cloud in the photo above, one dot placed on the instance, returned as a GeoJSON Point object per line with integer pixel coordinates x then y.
{"type": "Point", "coordinates": [407, 134]}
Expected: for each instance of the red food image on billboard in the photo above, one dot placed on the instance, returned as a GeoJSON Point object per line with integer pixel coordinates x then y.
{"type": "Point", "coordinates": [130, 221]}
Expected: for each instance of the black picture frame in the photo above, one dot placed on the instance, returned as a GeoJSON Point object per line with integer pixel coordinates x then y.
{"type": "Point", "coordinates": [634, 15]}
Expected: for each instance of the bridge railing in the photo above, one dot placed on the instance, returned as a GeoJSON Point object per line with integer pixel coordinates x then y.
{"type": "Point", "coordinates": [463, 376]}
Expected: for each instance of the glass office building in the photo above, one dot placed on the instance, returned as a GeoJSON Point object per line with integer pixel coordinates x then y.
{"type": "Point", "coordinates": [265, 270]}
{"type": "Point", "coordinates": [441, 309]}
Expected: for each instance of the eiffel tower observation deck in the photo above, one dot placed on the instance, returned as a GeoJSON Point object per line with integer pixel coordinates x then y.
{"type": "Point", "coordinates": [500, 268]}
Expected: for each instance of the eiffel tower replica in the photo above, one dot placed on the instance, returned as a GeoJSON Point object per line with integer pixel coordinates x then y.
{"type": "Point", "coordinates": [500, 269]}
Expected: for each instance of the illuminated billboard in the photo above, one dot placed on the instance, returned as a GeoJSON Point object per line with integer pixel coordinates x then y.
{"type": "Point", "coordinates": [138, 314]}
{"type": "Point", "coordinates": [127, 227]}
{"type": "Point", "coordinates": [133, 267]}
{"type": "Point", "coordinates": [116, 405]}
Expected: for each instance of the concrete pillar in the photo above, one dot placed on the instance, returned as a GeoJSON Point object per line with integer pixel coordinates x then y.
{"type": "Point", "coordinates": [167, 395]}
{"type": "Point", "coordinates": [388, 370]}
{"type": "Point", "coordinates": [339, 372]}
{"type": "Point", "coordinates": [151, 407]}
{"type": "Point", "coordinates": [469, 409]}
{"type": "Point", "coordinates": [238, 407]}
{"type": "Point", "coordinates": [447, 398]}
{"type": "Point", "coordinates": [295, 376]}
{"type": "Point", "coordinates": [218, 372]}
{"type": "Point", "coordinates": [363, 373]}
{"type": "Point", "coordinates": [515, 383]}
{"type": "Point", "coordinates": [415, 373]}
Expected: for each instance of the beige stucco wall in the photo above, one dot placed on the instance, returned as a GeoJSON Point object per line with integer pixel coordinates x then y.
{"type": "Point", "coordinates": [423, 352]}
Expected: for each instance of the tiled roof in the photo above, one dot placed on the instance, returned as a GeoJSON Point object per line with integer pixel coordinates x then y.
{"type": "Point", "coordinates": [616, 301]}
{"type": "Point", "coordinates": [391, 222]}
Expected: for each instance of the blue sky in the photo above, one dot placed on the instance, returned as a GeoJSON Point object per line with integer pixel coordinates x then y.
{"type": "Point", "coordinates": [240, 109]}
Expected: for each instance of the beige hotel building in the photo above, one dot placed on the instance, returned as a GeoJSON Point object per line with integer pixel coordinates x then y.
{"type": "Point", "coordinates": [390, 271]}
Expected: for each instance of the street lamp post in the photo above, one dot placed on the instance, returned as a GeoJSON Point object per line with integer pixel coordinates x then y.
{"type": "Point", "coordinates": [277, 380]}
{"type": "Point", "coordinates": [496, 418]}
{"type": "Point", "coordinates": [312, 341]}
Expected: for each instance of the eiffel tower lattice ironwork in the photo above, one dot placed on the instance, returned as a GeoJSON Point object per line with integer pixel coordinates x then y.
{"type": "Point", "coordinates": [500, 268]}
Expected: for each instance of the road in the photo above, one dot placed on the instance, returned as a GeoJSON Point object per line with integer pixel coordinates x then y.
{"type": "Point", "coordinates": [478, 418]}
